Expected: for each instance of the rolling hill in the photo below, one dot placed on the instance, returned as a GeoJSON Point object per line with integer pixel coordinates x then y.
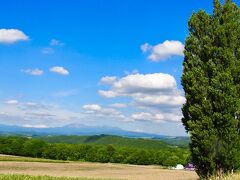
{"type": "Point", "coordinates": [119, 141]}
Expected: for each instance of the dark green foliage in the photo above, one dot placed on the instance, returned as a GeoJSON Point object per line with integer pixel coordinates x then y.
{"type": "Point", "coordinates": [34, 147]}
{"type": "Point", "coordinates": [12, 145]}
{"type": "Point", "coordinates": [116, 141]}
{"type": "Point", "coordinates": [168, 156]}
{"type": "Point", "coordinates": [211, 81]}
{"type": "Point", "coordinates": [171, 160]}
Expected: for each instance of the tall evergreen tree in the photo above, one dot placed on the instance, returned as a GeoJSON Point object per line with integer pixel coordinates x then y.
{"type": "Point", "coordinates": [211, 81]}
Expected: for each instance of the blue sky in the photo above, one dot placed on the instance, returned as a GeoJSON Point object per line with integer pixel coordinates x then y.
{"type": "Point", "coordinates": [95, 62]}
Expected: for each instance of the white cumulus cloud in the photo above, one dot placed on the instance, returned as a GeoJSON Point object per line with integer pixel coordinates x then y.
{"type": "Point", "coordinates": [172, 99]}
{"type": "Point", "coordinates": [163, 50]}
{"type": "Point", "coordinates": [140, 83]}
{"type": "Point", "coordinates": [156, 93]}
{"type": "Point", "coordinates": [59, 70]}
{"type": "Point", "coordinates": [157, 117]}
{"type": "Point", "coordinates": [92, 107]}
{"type": "Point", "coordinates": [10, 36]}
{"type": "Point", "coordinates": [107, 94]}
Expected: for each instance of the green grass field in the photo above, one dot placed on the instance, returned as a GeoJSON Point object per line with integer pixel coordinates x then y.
{"type": "Point", "coordinates": [27, 177]}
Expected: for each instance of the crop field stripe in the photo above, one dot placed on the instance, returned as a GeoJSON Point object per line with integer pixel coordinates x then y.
{"type": "Point", "coordinates": [28, 177]}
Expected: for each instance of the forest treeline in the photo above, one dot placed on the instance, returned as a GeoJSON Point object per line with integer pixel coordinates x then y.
{"type": "Point", "coordinates": [23, 146]}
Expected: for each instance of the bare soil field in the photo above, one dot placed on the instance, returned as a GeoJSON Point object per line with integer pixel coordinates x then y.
{"type": "Point", "coordinates": [95, 170]}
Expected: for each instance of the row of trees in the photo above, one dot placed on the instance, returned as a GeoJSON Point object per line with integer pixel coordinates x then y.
{"type": "Point", "coordinates": [92, 153]}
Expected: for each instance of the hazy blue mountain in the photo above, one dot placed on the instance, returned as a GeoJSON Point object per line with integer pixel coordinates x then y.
{"type": "Point", "coordinates": [74, 129]}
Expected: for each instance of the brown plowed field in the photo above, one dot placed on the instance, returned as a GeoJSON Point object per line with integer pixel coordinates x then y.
{"type": "Point", "coordinates": [95, 170]}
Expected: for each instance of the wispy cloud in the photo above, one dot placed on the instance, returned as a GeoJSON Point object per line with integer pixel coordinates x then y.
{"type": "Point", "coordinates": [47, 50]}
{"type": "Point", "coordinates": [11, 102]}
{"type": "Point", "coordinates": [118, 105]}
{"type": "Point", "coordinates": [35, 126]}
{"type": "Point", "coordinates": [33, 106]}
{"type": "Point", "coordinates": [66, 93]}
{"type": "Point", "coordinates": [108, 79]}
{"type": "Point", "coordinates": [145, 47]}
{"type": "Point", "coordinates": [34, 72]}
{"type": "Point", "coordinates": [55, 42]}
{"type": "Point", "coordinates": [10, 36]}
{"type": "Point", "coordinates": [35, 113]}
{"type": "Point", "coordinates": [99, 111]}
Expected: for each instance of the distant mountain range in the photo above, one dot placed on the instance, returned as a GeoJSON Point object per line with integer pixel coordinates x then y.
{"type": "Point", "coordinates": [74, 129]}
